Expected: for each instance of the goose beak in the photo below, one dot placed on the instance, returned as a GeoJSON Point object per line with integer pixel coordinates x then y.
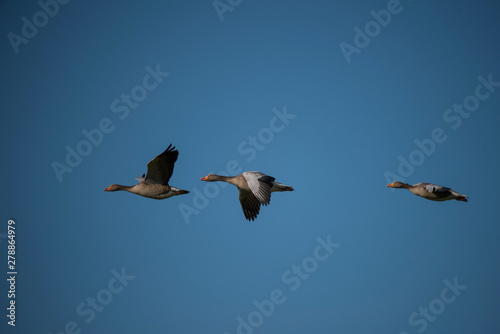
{"type": "Point", "coordinates": [203, 178]}
{"type": "Point", "coordinates": [390, 185]}
{"type": "Point", "coordinates": [107, 189]}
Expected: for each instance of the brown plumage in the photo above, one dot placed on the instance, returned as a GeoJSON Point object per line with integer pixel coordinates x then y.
{"type": "Point", "coordinates": [430, 191]}
{"type": "Point", "coordinates": [254, 189]}
{"type": "Point", "coordinates": [154, 184]}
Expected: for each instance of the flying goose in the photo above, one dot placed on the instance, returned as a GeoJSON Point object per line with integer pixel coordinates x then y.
{"type": "Point", "coordinates": [254, 189]}
{"type": "Point", "coordinates": [154, 184]}
{"type": "Point", "coordinates": [430, 191]}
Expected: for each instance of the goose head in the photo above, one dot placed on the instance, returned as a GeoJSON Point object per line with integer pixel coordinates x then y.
{"type": "Point", "coordinates": [113, 187]}
{"type": "Point", "coordinates": [210, 178]}
{"type": "Point", "coordinates": [397, 184]}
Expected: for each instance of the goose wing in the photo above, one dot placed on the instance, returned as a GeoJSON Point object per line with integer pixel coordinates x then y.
{"type": "Point", "coordinates": [249, 203]}
{"type": "Point", "coordinates": [439, 191]}
{"type": "Point", "coordinates": [160, 169]}
{"type": "Point", "coordinates": [260, 185]}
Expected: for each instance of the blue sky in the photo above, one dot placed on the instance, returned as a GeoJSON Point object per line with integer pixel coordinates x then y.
{"type": "Point", "coordinates": [252, 85]}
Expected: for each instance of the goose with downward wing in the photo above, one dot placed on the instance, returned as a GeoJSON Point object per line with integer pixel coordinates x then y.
{"type": "Point", "coordinates": [254, 189]}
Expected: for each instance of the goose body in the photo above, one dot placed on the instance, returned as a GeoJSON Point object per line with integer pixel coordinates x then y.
{"type": "Point", "coordinates": [431, 191]}
{"type": "Point", "coordinates": [254, 189]}
{"type": "Point", "coordinates": [154, 184]}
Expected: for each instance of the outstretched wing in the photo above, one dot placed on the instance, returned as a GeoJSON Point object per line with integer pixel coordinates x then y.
{"type": "Point", "coordinates": [249, 203]}
{"type": "Point", "coordinates": [160, 169]}
{"type": "Point", "coordinates": [260, 185]}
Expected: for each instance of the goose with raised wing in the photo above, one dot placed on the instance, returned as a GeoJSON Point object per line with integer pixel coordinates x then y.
{"type": "Point", "coordinates": [254, 189]}
{"type": "Point", "coordinates": [154, 184]}
{"type": "Point", "coordinates": [431, 191]}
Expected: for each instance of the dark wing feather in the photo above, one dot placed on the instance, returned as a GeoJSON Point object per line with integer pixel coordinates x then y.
{"type": "Point", "coordinates": [249, 203]}
{"type": "Point", "coordinates": [265, 189]}
{"type": "Point", "coordinates": [439, 191]}
{"type": "Point", "coordinates": [442, 192]}
{"type": "Point", "coordinates": [160, 169]}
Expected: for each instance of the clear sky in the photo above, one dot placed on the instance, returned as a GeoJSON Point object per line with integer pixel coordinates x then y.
{"type": "Point", "coordinates": [335, 99]}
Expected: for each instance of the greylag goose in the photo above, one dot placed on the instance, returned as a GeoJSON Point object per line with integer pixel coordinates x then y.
{"type": "Point", "coordinates": [254, 189]}
{"type": "Point", "coordinates": [154, 184]}
{"type": "Point", "coordinates": [430, 191]}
